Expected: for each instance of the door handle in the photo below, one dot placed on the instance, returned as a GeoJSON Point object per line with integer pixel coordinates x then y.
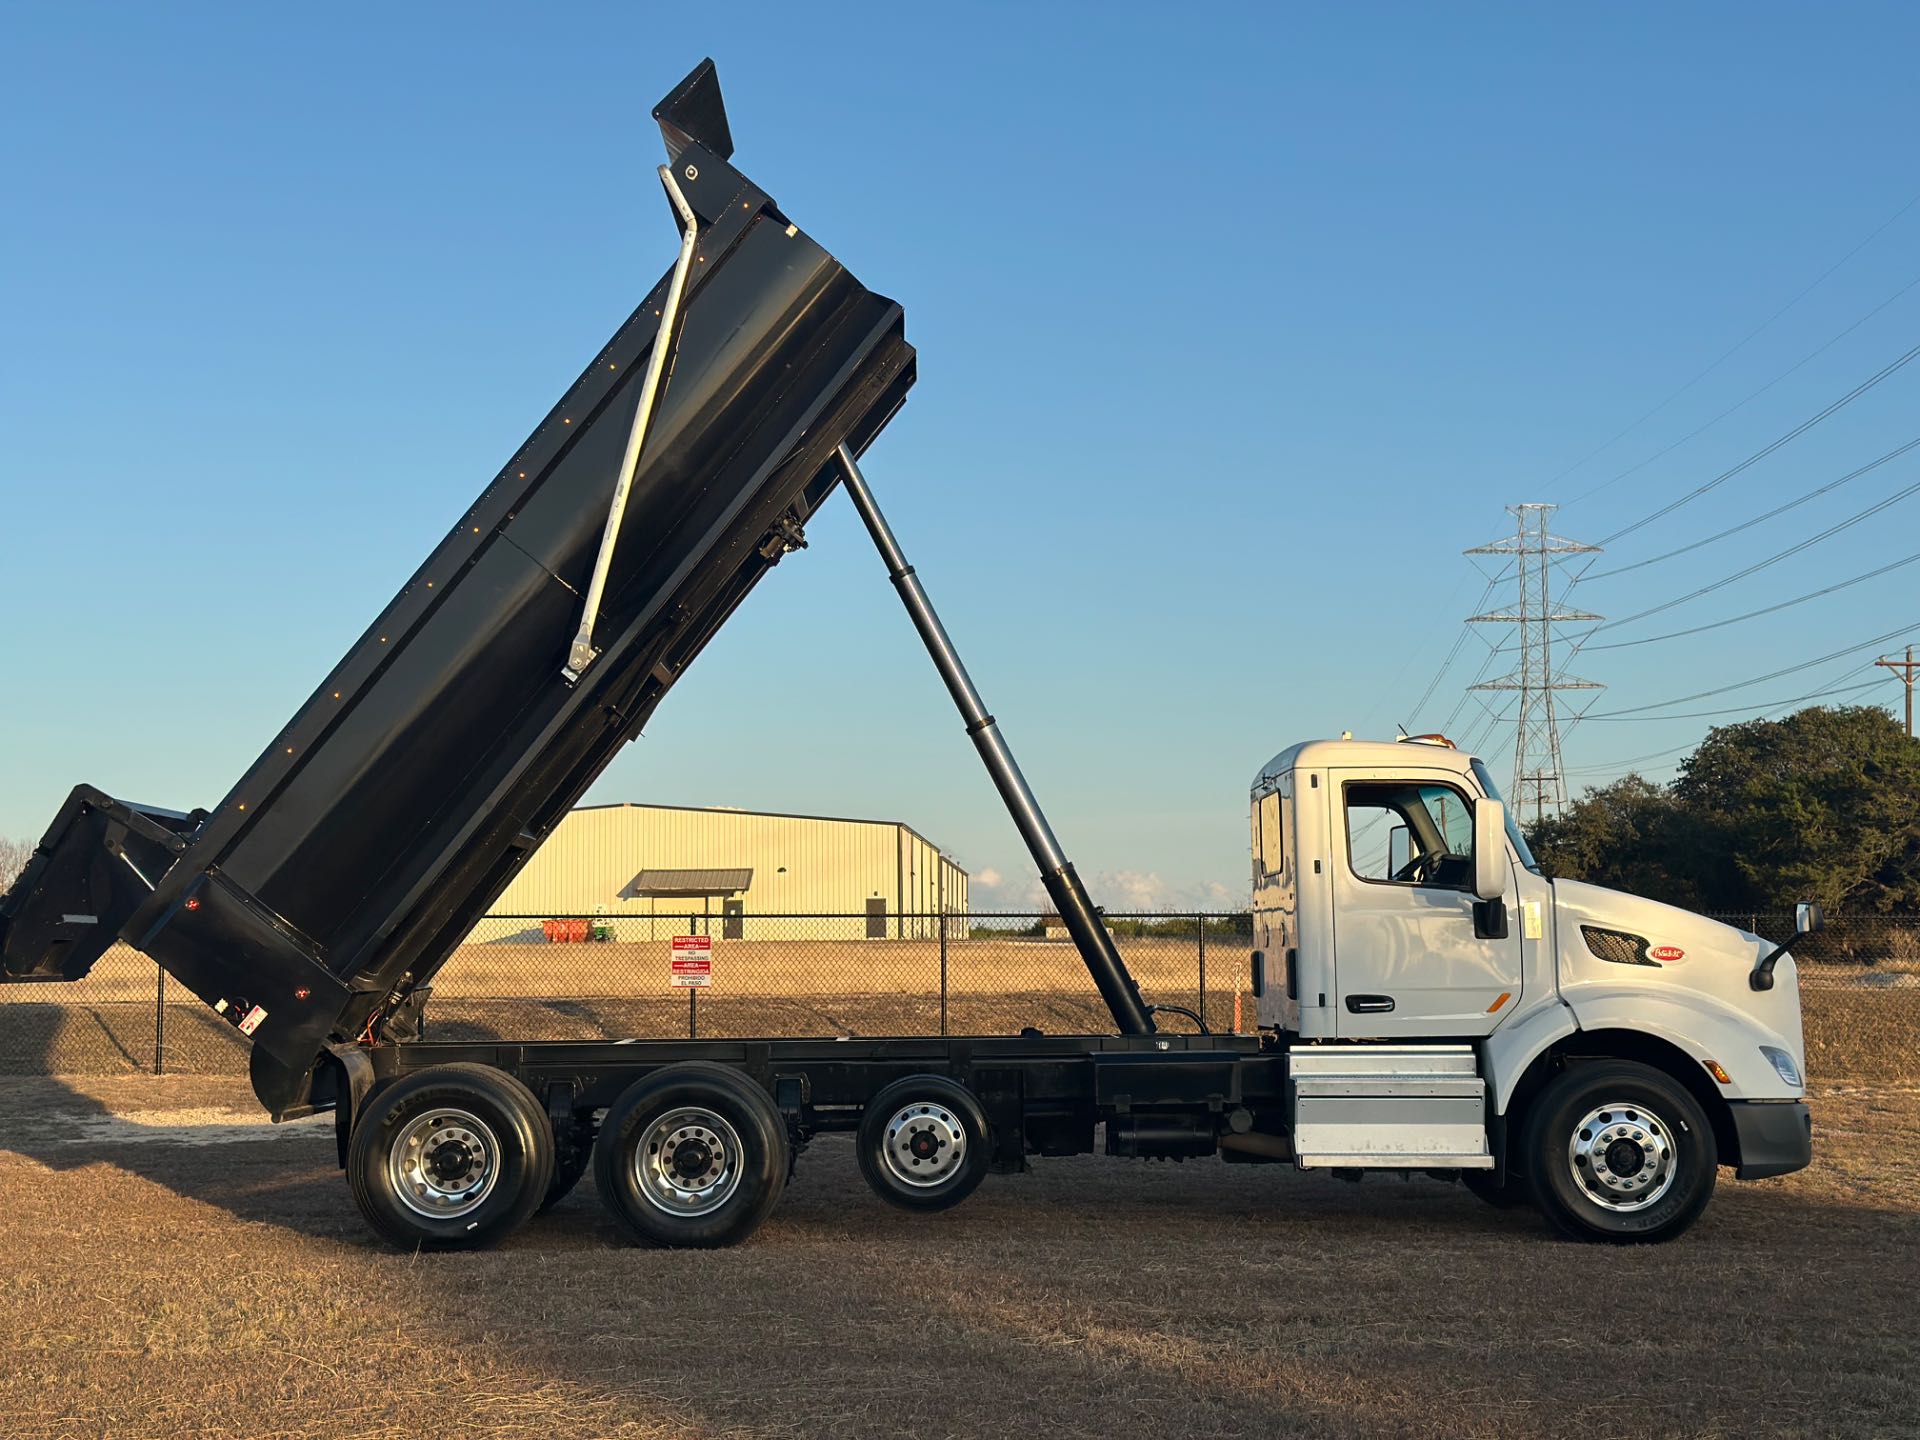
{"type": "Point", "coordinates": [1369, 1004]}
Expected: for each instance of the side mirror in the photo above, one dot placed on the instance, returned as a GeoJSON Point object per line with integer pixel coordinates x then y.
{"type": "Point", "coordinates": [1808, 919]}
{"type": "Point", "coordinates": [1490, 867]}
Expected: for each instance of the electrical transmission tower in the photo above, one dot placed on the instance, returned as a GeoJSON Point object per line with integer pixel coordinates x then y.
{"type": "Point", "coordinates": [1537, 557]}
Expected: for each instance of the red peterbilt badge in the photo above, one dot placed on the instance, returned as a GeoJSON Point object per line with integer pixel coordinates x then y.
{"type": "Point", "coordinates": [1666, 952]}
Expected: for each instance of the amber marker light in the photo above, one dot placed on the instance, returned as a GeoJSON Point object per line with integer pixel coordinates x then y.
{"type": "Point", "coordinates": [1718, 1071]}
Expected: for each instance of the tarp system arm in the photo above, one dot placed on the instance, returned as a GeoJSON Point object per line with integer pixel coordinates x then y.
{"type": "Point", "coordinates": [1063, 886]}
{"type": "Point", "coordinates": [581, 654]}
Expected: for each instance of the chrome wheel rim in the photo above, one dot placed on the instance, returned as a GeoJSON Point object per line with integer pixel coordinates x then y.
{"type": "Point", "coordinates": [925, 1146]}
{"type": "Point", "coordinates": [1622, 1156]}
{"type": "Point", "coordinates": [444, 1163]}
{"type": "Point", "coordinates": [688, 1162]}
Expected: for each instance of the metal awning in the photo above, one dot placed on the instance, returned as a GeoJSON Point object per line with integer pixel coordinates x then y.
{"type": "Point", "coordinates": [689, 882]}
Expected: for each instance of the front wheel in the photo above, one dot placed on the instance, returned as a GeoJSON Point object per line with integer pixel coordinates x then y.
{"type": "Point", "coordinates": [1621, 1152]}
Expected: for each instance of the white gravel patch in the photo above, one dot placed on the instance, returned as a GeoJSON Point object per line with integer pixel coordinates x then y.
{"type": "Point", "coordinates": [198, 1126]}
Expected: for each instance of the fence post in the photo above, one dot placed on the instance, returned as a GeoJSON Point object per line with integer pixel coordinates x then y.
{"type": "Point", "coordinates": [693, 991]}
{"type": "Point", "coordinates": [160, 1022]}
{"type": "Point", "coordinates": [1201, 922]}
{"type": "Point", "coordinates": [940, 875]}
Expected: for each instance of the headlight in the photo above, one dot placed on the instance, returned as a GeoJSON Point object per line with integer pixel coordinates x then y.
{"type": "Point", "coordinates": [1783, 1065]}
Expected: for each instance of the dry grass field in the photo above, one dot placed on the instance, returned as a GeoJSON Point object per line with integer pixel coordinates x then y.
{"type": "Point", "coordinates": [1862, 1024]}
{"type": "Point", "coordinates": [177, 1267]}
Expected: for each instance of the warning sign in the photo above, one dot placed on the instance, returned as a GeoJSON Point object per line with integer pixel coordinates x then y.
{"type": "Point", "coordinates": [692, 960]}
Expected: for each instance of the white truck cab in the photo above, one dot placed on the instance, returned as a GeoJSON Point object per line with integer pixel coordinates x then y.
{"type": "Point", "coordinates": [1447, 1006]}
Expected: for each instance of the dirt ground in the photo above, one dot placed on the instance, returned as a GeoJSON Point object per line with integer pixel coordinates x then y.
{"type": "Point", "coordinates": [178, 1267]}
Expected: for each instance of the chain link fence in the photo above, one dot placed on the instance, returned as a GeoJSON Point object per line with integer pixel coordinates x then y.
{"type": "Point", "coordinates": [545, 977]}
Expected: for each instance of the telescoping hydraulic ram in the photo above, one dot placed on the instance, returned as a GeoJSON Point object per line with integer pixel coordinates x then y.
{"type": "Point", "coordinates": [1090, 934]}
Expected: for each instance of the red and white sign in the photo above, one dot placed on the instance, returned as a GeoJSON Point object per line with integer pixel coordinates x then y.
{"type": "Point", "coordinates": [1668, 953]}
{"type": "Point", "coordinates": [692, 960]}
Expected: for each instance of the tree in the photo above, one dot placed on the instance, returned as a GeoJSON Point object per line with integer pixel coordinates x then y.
{"type": "Point", "coordinates": [1822, 805]}
{"type": "Point", "coordinates": [14, 855]}
{"type": "Point", "coordinates": [1628, 835]}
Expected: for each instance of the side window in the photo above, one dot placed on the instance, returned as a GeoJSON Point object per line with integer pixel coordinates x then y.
{"type": "Point", "coordinates": [1400, 832]}
{"type": "Point", "coordinates": [1273, 854]}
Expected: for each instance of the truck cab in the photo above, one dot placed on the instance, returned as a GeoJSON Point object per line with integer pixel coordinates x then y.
{"type": "Point", "coordinates": [1446, 1005]}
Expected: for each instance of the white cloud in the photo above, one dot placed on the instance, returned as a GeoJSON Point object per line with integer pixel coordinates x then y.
{"type": "Point", "coordinates": [988, 878]}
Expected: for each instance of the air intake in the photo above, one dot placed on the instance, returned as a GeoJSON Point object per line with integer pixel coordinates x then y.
{"type": "Point", "coordinates": [1617, 947]}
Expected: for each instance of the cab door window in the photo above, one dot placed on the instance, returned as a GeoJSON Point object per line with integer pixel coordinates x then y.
{"type": "Point", "coordinates": [1402, 832]}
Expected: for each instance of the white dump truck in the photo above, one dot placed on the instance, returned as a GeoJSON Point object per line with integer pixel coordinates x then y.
{"type": "Point", "coordinates": [1444, 1005]}
{"type": "Point", "coordinates": [1428, 1001]}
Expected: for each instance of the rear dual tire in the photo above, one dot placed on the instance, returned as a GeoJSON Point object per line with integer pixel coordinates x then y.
{"type": "Point", "coordinates": [693, 1156]}
{"type": "Point", "coordinates": [453, 1157]}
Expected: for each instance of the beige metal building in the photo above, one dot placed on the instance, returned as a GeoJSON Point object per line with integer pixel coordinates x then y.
{"type": "Point", "coordinates": [649, 868]}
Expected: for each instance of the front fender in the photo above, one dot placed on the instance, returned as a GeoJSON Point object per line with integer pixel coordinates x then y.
{"type": "Point", "coordinates": [1704, 1027]}
{"type": "Point", "coordinates": [1509, 1050]}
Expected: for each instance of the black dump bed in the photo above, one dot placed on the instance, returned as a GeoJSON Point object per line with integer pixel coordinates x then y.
{"type": "Point", "coordinates": [362, 846]}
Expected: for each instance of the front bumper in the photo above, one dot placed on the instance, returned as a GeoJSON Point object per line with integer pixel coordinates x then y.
{"type": "Point", "coordinates": [1775, 1139]}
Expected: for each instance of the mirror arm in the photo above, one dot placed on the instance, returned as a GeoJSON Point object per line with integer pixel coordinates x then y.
{"type": "Point", "coordinates": [1762, 976]}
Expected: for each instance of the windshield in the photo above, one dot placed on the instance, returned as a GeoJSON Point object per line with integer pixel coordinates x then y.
{"type": "Point", "coordinates": [1514, 837]}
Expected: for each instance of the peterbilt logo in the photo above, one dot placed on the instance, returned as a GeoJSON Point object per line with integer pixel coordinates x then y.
{"type": "Point", "coordinates": [1666, 953]}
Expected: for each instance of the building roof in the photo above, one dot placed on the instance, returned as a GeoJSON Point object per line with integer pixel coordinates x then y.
{"type": "Point", "coordinates": [689, 882]}
{"type": "Point", "coordinates": [770, 815]}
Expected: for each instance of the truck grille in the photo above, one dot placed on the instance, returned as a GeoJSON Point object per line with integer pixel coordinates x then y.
{"type": "Point", "coordinates": [1617, 946]}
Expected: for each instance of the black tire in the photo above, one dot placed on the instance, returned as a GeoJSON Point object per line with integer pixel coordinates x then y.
{"type": "Point", "coordinates": [1510, 1194]}
{"type": "Point", "coordinates": [476, 1143]}
{"type": "Point", "coordinates": [1593, 1187]}
{"type": "Point", "coordinates": [688, 1115]}
{"type": "Point", "coordinates": [923, 1143]}
{"type": "Point", "coordinates": [573, 1154]}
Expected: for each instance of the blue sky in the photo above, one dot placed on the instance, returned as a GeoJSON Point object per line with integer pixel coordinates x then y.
{"type": "Point", "coordinates": [1236, 326]}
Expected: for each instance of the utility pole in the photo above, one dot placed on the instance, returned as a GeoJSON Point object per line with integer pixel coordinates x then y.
{"type": "Point", "coordinates": [1536, 553]}
{"type": "Point", "coordinates": [1905, 670]}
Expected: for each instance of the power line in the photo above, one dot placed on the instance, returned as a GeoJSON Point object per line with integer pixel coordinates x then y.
{"type": "Point", "coordinates": [1754, 459]}
{"type": "Point", "coordinates": [1757, 679]}
{"type": "Point", "coordinates": [1751, 709]}
{"type": "Point", "coordinates": [1759, 565]}
{"type": "Point", "coordinates": [1744, 400]}
{"type": "Point", "coordinates": [1740, 344]}
{"type": "Point", "coordinates": [1426, 648]}
{"type": "Point", "coordinates": [1458, 644]}
{"type": "Point", "coordinates": [1617, 766]}
{"type": "Point", "coordinates": [1814, 494]}
{"type": "Point", "coordinates": [1752, 614]}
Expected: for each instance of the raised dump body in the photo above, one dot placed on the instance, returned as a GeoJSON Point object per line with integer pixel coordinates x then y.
{"type": "Point", "coordinates": [351, 858]}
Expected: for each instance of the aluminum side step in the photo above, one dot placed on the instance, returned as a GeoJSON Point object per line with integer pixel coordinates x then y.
{"type": "Point", "coordinates": [1413, 1107]}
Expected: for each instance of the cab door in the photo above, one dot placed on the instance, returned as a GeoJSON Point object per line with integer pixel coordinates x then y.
{"type": "Point", "coordinates": [1415, 954]}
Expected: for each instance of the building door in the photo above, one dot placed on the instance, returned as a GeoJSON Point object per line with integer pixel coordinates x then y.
{"type": "Point", "coordinates": [733, 925]}
{"type": "Point", "coordinates": [877, 918]}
